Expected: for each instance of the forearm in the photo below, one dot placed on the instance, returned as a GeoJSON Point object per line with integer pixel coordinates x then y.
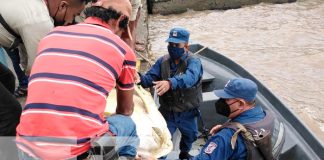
{"type": "Point", "coordinates": [152, 75]}
{"type": "Point", "coordinates": [183, 81]}
{"type": "Point", "coordinates": [191, 76]}
{"type": "Point", "coordinates": [146, 81]}
{"type": "Point", "coordinates": [125, 104]}
{"type": "Point", "coordinates": [127, 111]}
{"type": "Point", "coordinates": [187, 80]}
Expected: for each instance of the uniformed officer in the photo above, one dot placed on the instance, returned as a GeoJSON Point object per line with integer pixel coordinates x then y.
{"type": "Point", "coordinates": [249, 126]}
{"type": "Point", "coordinates": [177, 80]}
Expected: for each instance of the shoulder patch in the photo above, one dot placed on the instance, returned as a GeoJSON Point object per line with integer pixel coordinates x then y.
{"type": "Point", "coordinates": [210, 148]}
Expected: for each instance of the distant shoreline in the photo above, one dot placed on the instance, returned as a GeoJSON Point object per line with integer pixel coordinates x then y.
{"type": "Point", "coordinates": [165, 7]}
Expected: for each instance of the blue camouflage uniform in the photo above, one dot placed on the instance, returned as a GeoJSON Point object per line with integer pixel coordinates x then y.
{"type": "Point", "coordinates": [219, 145]}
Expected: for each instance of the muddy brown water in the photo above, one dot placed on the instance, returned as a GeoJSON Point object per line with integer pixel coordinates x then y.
{"type": "Point", "coordinates": [282, 45]}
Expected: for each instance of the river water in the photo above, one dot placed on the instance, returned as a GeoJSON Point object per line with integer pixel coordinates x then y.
{"type": "Point", "coordinates": [282, 45]}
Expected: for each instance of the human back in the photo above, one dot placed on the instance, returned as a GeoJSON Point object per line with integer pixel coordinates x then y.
{"type": "Point", "coordinates": [76, 68]}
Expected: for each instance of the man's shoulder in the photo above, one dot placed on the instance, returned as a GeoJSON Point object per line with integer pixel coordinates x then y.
{"type": "Point", "coordinates": [108, 37]}
{"type": "Point", "coordinates": [193, 57]}
{"type": "Point", "coordinates": [32, 12]}
{"type": "Point", "coordinates": [121, 45]}
{"type": "Point", "coordinates": [222, 137]}
{"type": "Point", "coordinates": [225, 132]}
{"type": "Point", "coordinates": [129, 52]}
{"type": "Point", "coordinates": [162, 59]}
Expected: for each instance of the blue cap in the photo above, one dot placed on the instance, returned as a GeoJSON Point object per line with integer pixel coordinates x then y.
{"type": "Point", "coordinates": [238, 88]}
{"type": "Point", "coordinates": [178, 35]}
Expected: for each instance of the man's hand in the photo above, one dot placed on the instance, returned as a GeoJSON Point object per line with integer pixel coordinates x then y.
{"type": "Point", "coordinates": [215, 129]}
{"type": "Point", "coordinates": [162, 87]}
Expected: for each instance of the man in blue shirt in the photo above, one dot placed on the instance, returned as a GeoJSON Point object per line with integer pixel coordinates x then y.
{"type": "Point", "coordinates": [177, 80]}
{"type": "Point", "coordinates": [237, 102]}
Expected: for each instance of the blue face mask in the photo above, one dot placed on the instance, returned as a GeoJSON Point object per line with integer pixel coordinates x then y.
{"type": "Point", "coordinates": [175, 52]}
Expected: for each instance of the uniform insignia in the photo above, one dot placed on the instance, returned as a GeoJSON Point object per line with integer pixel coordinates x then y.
{"type": "Point", "coordinates": [174, 34]}
{"type": "Point", "coordinates": [210, 148]}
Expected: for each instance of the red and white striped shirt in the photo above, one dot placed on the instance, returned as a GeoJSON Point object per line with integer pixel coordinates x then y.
{"type": "Point", "coordinates": [75, 69]}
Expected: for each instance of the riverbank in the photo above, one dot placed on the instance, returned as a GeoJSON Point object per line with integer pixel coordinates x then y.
{"type": "Point", "coordinates": [165, 7]}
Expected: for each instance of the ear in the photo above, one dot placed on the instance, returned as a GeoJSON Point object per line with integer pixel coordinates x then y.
{"type": "Point", "coordinates": [241, 103]}
{"type": "Point", "coordinates": [113, 22]}
{"type": "Point", "coordinates": [63, 4]}
{"type": "Point", "coordinates": [121, 18]}
{"type": "Point", "coordinates": [186, 46]}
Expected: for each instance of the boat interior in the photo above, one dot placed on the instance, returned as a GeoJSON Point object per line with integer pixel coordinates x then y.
{"type": "Point", "coordinates": [300, 142]}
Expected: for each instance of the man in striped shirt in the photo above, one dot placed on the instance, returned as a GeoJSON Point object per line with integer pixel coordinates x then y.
{"type": "Point", "coordinates": [75, 69]}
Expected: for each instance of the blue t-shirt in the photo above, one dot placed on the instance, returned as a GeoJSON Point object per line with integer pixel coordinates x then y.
{"type": "Point", "coordinates": [219, 145]}
{"type": "Point", "coordinates": [188, 79]}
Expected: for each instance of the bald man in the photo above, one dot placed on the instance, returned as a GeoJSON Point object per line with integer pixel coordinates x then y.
{"type": "Point", "coordinates": [76, 68]}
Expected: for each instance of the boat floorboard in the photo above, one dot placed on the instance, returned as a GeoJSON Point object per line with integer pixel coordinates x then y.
{"type": "Point", "coordinates": [196, 146]}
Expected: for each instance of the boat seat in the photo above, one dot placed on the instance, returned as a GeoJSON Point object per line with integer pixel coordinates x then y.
{"type": "Point", "coordinates": [209, 96]}
{"type": "Point", "coordinates": [208, 111]}
{"type": "Point", "coordinates": [207, 77]}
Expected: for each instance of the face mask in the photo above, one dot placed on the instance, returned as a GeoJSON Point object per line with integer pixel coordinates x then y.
{"type": "Point", "coordinates": [223, 108]}
{"type": "Point", "coordinates": [175, 52]}
{"type": "Point", "coordinates": [59, 23]}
